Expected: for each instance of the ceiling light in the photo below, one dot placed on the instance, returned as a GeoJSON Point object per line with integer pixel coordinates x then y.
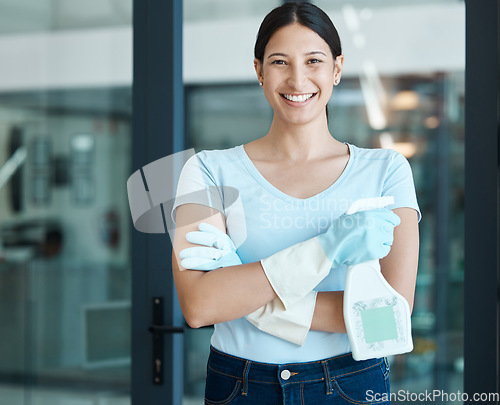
{"type": "Point", "coordinates": [405, 100]}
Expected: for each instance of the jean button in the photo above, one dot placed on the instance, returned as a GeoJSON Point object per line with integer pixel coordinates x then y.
{"type": "Point", "coordinates": [285, 374]}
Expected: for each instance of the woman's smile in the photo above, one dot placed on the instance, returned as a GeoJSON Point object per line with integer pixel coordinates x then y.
{"type": "Point", "coordinates": [298, 100]}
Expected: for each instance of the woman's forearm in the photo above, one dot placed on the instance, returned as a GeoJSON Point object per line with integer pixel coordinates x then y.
{"type": "Point", "coordinates": [220, 295]}
{"type": "Point", "coordinates": [328, 313]}
{"type": "Point", "coordinates": [223, 294]}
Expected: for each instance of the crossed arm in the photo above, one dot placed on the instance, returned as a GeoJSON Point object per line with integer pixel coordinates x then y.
{"type": "Point", "coordinates": [233, 292]}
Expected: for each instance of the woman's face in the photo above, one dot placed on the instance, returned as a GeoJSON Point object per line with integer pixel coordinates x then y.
{"type": "Point", "coordinates": [298, 74]}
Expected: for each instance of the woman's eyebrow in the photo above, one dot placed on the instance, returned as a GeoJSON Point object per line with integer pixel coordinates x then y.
{"type": "Point", "coordinates": [306, 54]}
{"type": "Point", "coordinates": [277, 54]}
{"type": "Point", "coordinates": [315, 52]}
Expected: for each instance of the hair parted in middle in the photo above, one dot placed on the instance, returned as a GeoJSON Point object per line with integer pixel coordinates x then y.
{"type": "Point", "coordinates": [303, 13]}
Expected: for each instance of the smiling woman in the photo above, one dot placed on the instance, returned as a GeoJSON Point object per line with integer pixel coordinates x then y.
{"type": "Point", "coordinates": [276, 297]}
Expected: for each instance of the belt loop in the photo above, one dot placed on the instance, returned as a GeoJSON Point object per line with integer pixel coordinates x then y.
{"type": "Point", "coordinates": [328, 380]}
{"type": "Point", "coordinates": [244, 391]}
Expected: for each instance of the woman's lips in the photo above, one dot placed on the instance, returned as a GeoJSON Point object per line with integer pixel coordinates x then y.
{"type": "Point", "coordinates": [298, 99]}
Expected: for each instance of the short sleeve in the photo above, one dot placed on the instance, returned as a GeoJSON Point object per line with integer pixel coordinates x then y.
{"type": "Point", "coordinates": [197, 186]}
{"type": "Point", "coordinates": [399, 184]}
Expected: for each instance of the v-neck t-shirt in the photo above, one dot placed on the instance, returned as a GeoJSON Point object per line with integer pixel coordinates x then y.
{"type": "Point", "coordinates": [262, 220]}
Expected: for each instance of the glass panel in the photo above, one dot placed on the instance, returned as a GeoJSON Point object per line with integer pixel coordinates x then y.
{"type": "Point", "coordinates": [402, 102]}
{"type": "Point", "coordinates": [202, 10]}
{"type": "Point", "coordinates": [23, 16]}
{"type": "Point", "coordinates": [65, 135]}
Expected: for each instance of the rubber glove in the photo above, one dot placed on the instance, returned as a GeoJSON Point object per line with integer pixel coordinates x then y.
{"type": "Point", "coordinates": [219, 251]}
{"type": "Point", "coordinates": [350, 239]}
{"type": "Point", "coordinates": [291, 325]}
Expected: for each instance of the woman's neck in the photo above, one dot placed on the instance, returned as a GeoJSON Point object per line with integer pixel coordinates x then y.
{"type": "Point", "coordinates": [300, 142]}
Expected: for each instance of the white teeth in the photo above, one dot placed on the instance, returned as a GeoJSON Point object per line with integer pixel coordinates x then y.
{"type": "Point", "coordinates": [300, 98]}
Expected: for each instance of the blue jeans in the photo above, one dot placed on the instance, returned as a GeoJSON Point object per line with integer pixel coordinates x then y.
{"type": "Point", "coordinates": [337, 380]}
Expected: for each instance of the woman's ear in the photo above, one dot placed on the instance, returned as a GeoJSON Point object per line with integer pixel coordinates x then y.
{"type": "Point", "coordinates": [258, 70]}
{"type": "Point", "coordinates": [337, 71]}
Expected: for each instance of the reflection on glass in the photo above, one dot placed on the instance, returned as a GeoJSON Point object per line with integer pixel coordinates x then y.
{"type": "Point", "coordinates": [64, 221]}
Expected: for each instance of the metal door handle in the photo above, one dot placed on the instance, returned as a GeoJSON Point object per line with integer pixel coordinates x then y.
{"type": "Point", "coordinates": [158, 330]}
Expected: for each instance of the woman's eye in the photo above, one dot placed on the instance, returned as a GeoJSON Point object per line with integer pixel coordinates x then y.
{"type": "Point", "coordinates": [278, 62]}
{"type": "Point", "coordinates": [313, 61]}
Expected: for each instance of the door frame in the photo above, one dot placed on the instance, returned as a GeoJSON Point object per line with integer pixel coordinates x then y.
{"type": "Point", "coordinates": [482, 198]}
{"type": "Point", "coordinates": [158, 128]}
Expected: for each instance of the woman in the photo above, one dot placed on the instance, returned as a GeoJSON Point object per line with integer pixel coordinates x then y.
{"type": "Point", "coordinates": [279, 331]}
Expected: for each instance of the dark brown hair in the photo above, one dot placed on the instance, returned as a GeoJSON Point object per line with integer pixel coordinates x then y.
{"type": "Point", "coordinates": [305, 14]}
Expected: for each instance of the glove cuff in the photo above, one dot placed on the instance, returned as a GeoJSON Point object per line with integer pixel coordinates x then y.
{"type": "Point", "coordinates": [292, 324]}
{"type": "Point", "coordinates": [295, 271]}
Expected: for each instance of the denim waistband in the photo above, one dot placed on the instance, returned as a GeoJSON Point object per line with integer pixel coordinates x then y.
{"type": "Point", "coordinates": [290, 373]}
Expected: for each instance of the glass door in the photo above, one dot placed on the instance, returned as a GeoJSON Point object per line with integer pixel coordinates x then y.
{"type": "Point", "coordinates": [65, 139]}
{"type": "Point", "coordinates": [389, 97]}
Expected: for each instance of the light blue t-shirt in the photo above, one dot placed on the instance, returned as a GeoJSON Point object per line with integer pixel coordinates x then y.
{"type": "Point", "coordinates": [263, 220]}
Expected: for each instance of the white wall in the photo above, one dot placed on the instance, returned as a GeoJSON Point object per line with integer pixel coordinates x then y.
{"type": "Point", "coordinates": [416, 39]}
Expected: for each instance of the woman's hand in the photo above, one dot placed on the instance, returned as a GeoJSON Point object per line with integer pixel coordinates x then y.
{"type": "Point", "coordinates": [219, 250]}
{"type": "Point", "coordinates": [359, 237]}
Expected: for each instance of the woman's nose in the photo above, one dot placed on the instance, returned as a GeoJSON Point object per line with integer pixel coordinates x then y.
{"type": "Point", "coordinates": [297, 77]}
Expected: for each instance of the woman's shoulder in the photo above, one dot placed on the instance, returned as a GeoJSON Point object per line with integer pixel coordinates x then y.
{"type": "Point", "coordinates": [375, 153]}
{"type": "Point", "coordinates": [219, 155]}
{"type": "Point", "coordinates": [209, 161]}
{"type": "Point", "coordinates": [218, 162]}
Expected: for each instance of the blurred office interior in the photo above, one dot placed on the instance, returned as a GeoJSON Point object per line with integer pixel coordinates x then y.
{"type": "Point", "coordinates": [65, 156]}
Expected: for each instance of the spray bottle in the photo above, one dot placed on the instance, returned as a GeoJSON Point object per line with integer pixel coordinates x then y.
{"type": "Point", "coordinates": [377, 317]}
